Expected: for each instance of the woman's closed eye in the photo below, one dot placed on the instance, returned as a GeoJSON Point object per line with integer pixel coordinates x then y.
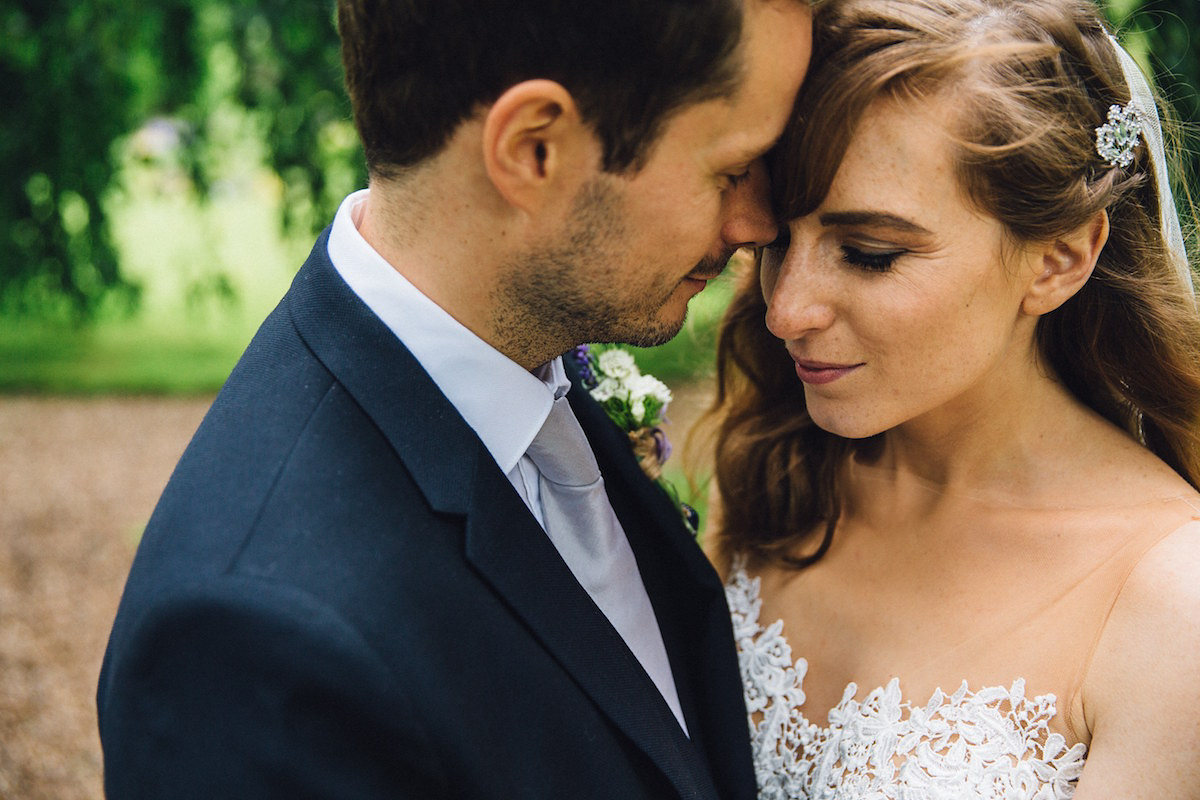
{"type": "Point", "coordinates": [870, 259]}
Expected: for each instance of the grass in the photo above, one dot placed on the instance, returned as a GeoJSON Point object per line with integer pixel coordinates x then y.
{"type": "Point", "coordinates": [209, 274]}
{"type": "Point", "coordinates": [114, 358]}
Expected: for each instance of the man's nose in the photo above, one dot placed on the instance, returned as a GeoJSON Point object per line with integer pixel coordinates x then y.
{"type": "Point", "coordinates": [749, 221]}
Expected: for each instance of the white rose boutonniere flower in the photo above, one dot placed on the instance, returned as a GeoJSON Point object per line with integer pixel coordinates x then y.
{"type": "Point", "coordinates": [637, 404]}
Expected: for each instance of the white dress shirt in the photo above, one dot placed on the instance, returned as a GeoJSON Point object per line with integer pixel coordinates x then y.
{"type": "Point", "coordinates": [472, 375]}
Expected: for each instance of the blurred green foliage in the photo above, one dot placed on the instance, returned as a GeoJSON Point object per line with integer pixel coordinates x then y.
{"type": "Point", "coordinates": [289, 74]}
{"type": "Point", "coordinates": [78, 79]}
{"type": "Point", "coordinates": [74, 77]}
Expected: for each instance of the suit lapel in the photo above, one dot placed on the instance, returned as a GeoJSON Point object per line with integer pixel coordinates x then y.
{"type": "Point", "coordinates": [523, 566]}
{"type": "Point", "coordinates": [688, 599]}
{"type": "Point", "coordinates": [503, 541]}
{"type": "Point", "coordinates": [386, 381]}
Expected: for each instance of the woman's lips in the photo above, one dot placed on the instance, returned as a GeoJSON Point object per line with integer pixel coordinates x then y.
{"type": "Point", "coordinates": [819, 373]}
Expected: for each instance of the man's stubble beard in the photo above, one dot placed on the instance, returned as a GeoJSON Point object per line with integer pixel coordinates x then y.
{"type": "Point", "coordinates": [567, 292]}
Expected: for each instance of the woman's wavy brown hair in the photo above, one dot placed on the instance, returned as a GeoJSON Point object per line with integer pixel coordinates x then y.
{"type": "Point", "coordinates": [1031, 80]}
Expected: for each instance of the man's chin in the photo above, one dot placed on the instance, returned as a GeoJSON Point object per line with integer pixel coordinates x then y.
{"type": "Point", "coordinates": [654, 326]}
{"type": "Point", "coordinates": [660, 330]}
{"type": "Point", "coordinates": [651, 338]}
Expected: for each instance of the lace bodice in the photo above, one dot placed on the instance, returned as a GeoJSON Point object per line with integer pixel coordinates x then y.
{"type": "Point", "coordinates": [990, 743]}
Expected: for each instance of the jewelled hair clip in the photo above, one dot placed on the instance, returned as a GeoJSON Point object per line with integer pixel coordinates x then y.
{"type": "Point", "coordinates": [1117, 138]}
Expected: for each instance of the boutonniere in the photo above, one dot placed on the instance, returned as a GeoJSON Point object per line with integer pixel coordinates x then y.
{"type": "Point", "coordinates": [637, 404]}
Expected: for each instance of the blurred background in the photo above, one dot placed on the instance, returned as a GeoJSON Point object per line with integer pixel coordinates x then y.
{"type": "Point", "coordinates": [163, 169]}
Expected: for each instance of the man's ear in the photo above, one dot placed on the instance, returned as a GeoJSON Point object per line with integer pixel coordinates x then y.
{"type": "Point", "coordinates": [1065, 266]}
{"type": "Point", "coordinates": [534, 144]}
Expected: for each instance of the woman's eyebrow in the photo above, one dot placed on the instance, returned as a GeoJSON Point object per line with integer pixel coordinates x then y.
{"type": "Point", "coordinates": [879, 219]}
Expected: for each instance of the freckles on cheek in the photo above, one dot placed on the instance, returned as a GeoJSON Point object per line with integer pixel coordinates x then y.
{"type": "Point", "coordinates": [916, 359]}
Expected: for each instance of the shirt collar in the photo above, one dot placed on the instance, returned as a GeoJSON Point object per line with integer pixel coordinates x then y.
{"type": "Point", "coordinates": [472, 374]}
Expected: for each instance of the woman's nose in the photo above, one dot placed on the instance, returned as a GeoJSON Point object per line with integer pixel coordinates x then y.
{"type": "Point", "coordinates": [797, 303]}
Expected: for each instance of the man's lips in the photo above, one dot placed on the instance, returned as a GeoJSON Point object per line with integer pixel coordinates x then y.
{"type": "Point", "coordinates": [818, 373]}
{"type": "Point", "coordinates": [710, 268]}
{"type": "Point", "coordinates": [699, 280]}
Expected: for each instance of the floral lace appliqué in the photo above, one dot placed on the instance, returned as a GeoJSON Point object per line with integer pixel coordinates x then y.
{"type": "Point", "coordinates": [994, 743]}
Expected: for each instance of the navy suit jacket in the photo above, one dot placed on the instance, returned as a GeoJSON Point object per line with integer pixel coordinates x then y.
{"type": "Point", "coordinates": [340, 595]}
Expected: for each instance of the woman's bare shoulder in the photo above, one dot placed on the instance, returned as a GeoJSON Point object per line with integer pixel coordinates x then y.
{"type": "Point", "coordinates": [1142, 691]}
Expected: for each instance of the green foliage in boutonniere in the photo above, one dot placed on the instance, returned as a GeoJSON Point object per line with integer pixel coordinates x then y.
{"type": "Point", "coordinates": [637, 404]}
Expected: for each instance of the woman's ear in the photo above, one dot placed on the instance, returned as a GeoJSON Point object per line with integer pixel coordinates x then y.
{"type": "Point", "coordinates": [1065, 266]}
{"type": "Point", "coordinates": [534, 142]}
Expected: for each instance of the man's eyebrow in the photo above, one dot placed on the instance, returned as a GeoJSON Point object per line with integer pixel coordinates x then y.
{"type": "Point", "coordinates": [878, 219]}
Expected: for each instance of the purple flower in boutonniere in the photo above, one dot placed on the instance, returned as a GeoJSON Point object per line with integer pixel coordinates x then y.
{"type": "Point", "coordinates": [581, 355]}
{"type": "Point", "coordinates": [637, 404]}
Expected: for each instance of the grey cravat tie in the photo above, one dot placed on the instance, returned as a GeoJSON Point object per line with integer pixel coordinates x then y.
{"type": "Point", "coordinates": [583, 527]}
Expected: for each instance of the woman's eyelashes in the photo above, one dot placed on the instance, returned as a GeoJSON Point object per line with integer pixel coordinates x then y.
{"type": "Point", "coordinates": [868, 259]}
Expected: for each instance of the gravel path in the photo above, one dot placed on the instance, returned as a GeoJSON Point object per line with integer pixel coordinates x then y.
{"type": "Point", "coordinates": [78, 480]}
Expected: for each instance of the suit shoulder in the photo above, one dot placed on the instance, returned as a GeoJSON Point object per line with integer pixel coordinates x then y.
{"type": "Point", "coordinates": [228, 677]}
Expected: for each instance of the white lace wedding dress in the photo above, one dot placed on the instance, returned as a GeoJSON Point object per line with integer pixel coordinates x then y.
{"type": "Point", "coordinates": [990, 742]}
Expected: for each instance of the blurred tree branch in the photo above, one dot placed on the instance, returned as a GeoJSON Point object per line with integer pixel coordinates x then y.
{"type": "Point", "coordinates": [73, 78]}
{"type": "Point", "coordinates": [77, 78]}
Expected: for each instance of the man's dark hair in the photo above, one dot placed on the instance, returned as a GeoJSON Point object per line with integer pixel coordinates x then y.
{"type": "Point", "coordinates": [416, 69]}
